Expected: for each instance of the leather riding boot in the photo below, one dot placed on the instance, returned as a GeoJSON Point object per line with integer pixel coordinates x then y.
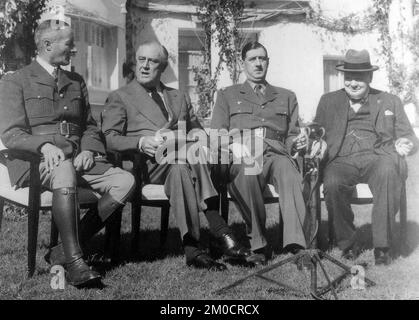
{"type": "Point", "coordinates": [65, 213]}
{"type": "Point", "coordinates": [91, 223]}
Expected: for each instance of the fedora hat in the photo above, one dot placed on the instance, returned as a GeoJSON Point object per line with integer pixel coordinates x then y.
{"type": "Point", "coordinates": [356, 61]}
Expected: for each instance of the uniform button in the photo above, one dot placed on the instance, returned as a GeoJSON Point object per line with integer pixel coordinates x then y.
{"type": "Point", "coordinates": [39, 97]}
{"type": "Point", "coordinates": [61, 95]}
{"type": "Point", "coordinates": [263, 120]}
{"type": "Point", "coordinates": [262, 107]}
{"type": "Point", "coordinates": [64, 121]}
{"type": "Point", "coordinates": [65, 108]}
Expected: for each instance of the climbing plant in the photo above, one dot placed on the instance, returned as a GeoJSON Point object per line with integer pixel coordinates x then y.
{"type": "Point", "coordinates": [219, 20]}
{"type": "Point", "coordinates": [17, 25]}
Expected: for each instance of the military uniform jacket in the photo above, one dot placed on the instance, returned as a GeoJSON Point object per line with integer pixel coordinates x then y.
{"type": "Point", "coordinates": [238, 107]}
{"type": "Point", "coordinates": [387, 115]}
{"type": "Point", "coordinates": [130, 113]}
{"type": "Point", "coordinates": [30, 98]}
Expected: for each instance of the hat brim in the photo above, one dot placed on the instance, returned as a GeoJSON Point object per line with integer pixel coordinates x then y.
{"type": "Point", "coordinates": [340, 67]}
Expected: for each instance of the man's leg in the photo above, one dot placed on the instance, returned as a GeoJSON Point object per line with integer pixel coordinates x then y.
{"type": "Point", "coordinates": [385, 183]}
{"type": "Point", "coordinates": [279, 170]}
{"type": "Point", "coordinates": [180, 188]}
{"type": "Point", "coordinates": [115, 186]}
{"type": "Point", "coordinates": [339, 184]}
{"type": "Point", "coordinates": [247, 191]}
{"type": "Point", "coordinates": [62, 181]}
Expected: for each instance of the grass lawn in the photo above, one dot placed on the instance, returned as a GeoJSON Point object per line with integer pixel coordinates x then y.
{"type": "Point", "coordinates": [161, 273]}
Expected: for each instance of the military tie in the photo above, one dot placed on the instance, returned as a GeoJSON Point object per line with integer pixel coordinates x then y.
{"type": "Point", "coordinates": [55, 73]}
{"type": "Point", "coordinates": [258, 91]}
{"type": "Point", "coordinates": [156, 97]}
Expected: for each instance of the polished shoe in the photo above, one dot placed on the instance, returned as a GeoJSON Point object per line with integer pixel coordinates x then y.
{"type": "Point", "coordinates": [256, 259]}
{"type": "Point", "coordinates": [382, 256]}
{"type": "Point", "coordinates": [204, 261]}
{"type": "Point", "coordinates": [352, 252]}
{"type": "Point", "coordinates": [80, 275]}
{"type": "Point", "coordinates": [231, 248]}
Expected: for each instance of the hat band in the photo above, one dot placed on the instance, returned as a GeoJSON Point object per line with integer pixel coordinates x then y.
{"type": "Point", "coordinates": [357, 66]}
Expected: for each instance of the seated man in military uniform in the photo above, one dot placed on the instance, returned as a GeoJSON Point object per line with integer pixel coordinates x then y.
{"type": "Point", "coordinates": [45, 110]}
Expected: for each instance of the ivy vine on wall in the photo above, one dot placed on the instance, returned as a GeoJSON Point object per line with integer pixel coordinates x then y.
{"type": "Point", "coordinates": [219, 20]}
{"type": "Point", "coordinates": [18, 20]}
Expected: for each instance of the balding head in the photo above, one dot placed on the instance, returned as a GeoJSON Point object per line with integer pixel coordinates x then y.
{"type": "Point", "coordinates": [152, 60]}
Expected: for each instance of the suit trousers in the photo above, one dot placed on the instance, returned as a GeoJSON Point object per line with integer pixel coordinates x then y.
{"type": "Point", "coordinates": [247, 191]}
{"type": "Point", "coordinates": [381, 173]}
{"type": "Point", "coordinates": [187, 187]}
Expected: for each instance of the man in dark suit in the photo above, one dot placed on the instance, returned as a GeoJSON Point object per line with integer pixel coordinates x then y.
{"type": "Point", "coordinates": [368, 135]}
{"type": "Point", "coordinates": [45, 110]}
{"type": "Point", "coordinates": [271, 114]}
{"type": "Point", "coordinates": [132, 121]}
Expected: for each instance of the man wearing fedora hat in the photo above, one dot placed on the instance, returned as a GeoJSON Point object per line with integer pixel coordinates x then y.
{"type": "Point", "coordinates": [368, 135]}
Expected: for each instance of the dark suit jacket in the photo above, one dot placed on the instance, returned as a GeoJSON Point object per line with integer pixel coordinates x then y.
{"type": "Point", "coordinates": [30, 98]}
{"type": "Point", "coordinates": [239, 107]}
{"type": "Point", "coordinates": [130, 113]}
{"type": "Point", "coordinates": [387, 115]}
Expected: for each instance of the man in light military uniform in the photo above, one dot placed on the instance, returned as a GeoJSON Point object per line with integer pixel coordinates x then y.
{"type": "Point", "coordinates": [45, 110]}
{"type": "Point", "coordinates": [272, 114]}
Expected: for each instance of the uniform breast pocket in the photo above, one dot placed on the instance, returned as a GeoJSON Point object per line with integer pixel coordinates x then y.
{"type": "Point", "coordinates": [241, 116]}
{"type": "Point", "coordinates": [39, 105]}
{"type": "Point", "coordinates": [76, 101]}
{"type": "Point", "coordinates": [282, 117]}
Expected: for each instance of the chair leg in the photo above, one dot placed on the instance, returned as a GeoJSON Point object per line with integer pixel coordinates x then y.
{"type": "Point", "coordinates": [281, 232]}
{"type": "Point", "coordinates": [331, 230]}
{"type": "Point", "coordinates": [54, 234]}
{"type": "Point", "coordinates": [113, 236]}
{"type": "Point", "coordinates": [1, 211]}
{"type": "Point", "coordinates": [403, 221]}
{"type": "Point", "coordinates": [135, 225]}
{"type": "Point", "coordinates": [164, 224]}
{"type": "Point", "coordinates": [33, 217]}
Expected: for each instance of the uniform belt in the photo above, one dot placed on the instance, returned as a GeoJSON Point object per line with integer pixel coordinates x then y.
{"type": "Point", "coordinates": [66, 129]}
{"type": "Point", "coordinates": [269, 133]}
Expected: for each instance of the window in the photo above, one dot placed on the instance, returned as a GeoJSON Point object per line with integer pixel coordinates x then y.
{"type": "Point", "coordinates": [190, 55]}
{"type": "Point", "coordinates": [76, 28]}
{"type": "Point", "coordinates": [333, 79]}
{"type": "Point", "coordinates": [87, 32]}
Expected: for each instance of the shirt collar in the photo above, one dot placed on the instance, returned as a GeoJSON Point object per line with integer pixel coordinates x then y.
{"type": "Point", "coordinates": [44, 64]}
{"type": "Point", "coordinates": [254, 84]}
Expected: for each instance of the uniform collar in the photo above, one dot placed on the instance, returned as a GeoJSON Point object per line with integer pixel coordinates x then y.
{"type": "Point", "coordinates": [262, 85]}
{"type": "Point", "coordinates": [44, 64]}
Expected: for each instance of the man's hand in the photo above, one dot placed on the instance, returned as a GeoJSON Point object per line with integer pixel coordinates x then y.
{"type": "Point", "coordinates": [299, 142]}
{"type": "Point", "coordinates": [84, 161]}
{"type": "Point", "coordinates": [150, 144]}
{"type": "Point", "coordinates": [52, 156]}
{"type": "Point", "coordinates": [239, 150]}
{"type": "Point", "coordinates": [403, 146]}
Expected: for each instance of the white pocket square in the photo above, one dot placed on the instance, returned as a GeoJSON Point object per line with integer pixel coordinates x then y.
{"type": "Point", "coordinates": [388, 113]}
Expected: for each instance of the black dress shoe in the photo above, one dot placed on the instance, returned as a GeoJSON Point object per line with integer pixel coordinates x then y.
{"type": "Point", "coordinates": [231, 247]}
{"type": "Point", "coordinates": [204, 261]}
{"type": "Point", "coordinates": [382, 256]}
{"type": "Point", "coordinates": [80, 275]}
{"type": "Point", "coordinates": [352, 252]}
{"type": "Point", "coordinates": [256, 259]}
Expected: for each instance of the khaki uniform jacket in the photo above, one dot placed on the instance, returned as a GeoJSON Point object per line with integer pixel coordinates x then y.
{"type": "Point", "coordinates": [31, 98]}
{"type": "Point", "coordinates": [238, 107]}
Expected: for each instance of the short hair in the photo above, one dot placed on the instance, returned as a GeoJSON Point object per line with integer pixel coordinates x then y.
{"type": "Point", "coordinates": [250, 46]}
{"type": "Point", "coordinates": [163, 51]}
{"type": "Point", "coordinates": [47, 29]}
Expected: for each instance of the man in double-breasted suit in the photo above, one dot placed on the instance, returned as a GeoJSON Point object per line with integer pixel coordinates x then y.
{"type": "Point", "coordinates": [270, 114]}
{"type": "Point", "coordinates": [45, 110]}
{"type": "Point", "coordinates": [368, 135]}
{"type": "Point", "coordinates": [132, 120]}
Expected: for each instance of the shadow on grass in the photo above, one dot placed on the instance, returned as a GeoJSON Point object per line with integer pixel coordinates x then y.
{"type": "Point", "coordinates": [364, 237]}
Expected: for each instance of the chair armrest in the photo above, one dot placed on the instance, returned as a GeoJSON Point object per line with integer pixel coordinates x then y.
{"type": "Point", "coordinates": [22, 155]}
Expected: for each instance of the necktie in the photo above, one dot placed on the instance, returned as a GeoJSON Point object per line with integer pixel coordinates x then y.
{"type": "Point", "coordinates": [258, 91]}
{"type": "Point", "coordinates": [55, 74]}
{"type": "Point", "coordinates": [156, 97]}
